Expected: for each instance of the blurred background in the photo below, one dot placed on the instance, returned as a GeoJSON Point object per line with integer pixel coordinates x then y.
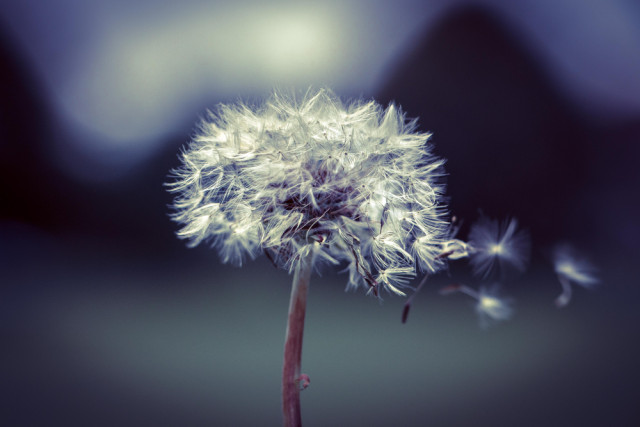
{"type": "Point", "coordinates": [107, 319]}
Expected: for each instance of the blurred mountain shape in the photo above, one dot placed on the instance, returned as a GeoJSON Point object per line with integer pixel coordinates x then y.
{"type": "Point", "coordinates": [513, 144]}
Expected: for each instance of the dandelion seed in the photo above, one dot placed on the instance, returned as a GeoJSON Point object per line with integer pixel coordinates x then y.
{"type": "Point", "coordinates": [570, 267]}
{"type": "Point", "coordinates": [489, 306]}
{"type": "Point", "coordinates": [454, 249]}
{"type": "Point", "coordinates": [573, 267]}
{"type": "Point", "coordinates": [407, 305]}
{"type": "Point", "coordinates": [492, 307]}
{"type": "Point", "coordinates": [396, 278]}
{"type": "Point", "coordinates": [494, 244]}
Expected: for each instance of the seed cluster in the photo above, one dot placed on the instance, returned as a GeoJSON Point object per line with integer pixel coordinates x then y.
{"type": "Point", "coordinates": [352, 184]}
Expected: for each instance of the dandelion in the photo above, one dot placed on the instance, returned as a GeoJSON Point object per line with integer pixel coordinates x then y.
{"type": "Point", "coordinates": [309, 183]}
{"type": "Point", "coordinates": [495, 244]}
{"type": "Point", "coordinates": [489, 306]}
{"type": "Point", "coordinates": [571, 268]}
{"type": "Point", "coordinates": [351, 184]}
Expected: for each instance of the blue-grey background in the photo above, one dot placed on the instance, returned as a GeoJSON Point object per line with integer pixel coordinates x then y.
{"type": "Point", "coordinates": [107, 319]}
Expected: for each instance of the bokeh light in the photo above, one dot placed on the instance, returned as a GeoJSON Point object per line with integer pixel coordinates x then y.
{"type": "Point", "coordinates": [125, 75]}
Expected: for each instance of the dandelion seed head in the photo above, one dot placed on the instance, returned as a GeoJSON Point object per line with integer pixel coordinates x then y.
{"type": "Point", "coordinates": [353, 183]}
{"type": "Point", "coordinates": [494, 244]}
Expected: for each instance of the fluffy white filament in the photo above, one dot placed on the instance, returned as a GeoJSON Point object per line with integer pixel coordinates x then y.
{"type": "Point", "coordinates": [489, 306]}
{"type": "Point", "coordinates": [497, 244]}
{"type": "Point", "coordinates": [572, 267]}
{"type": "Point", "coordinates": [354, 183]}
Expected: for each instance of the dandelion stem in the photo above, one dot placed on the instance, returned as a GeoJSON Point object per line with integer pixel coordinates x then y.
{"type": "Point", "coordinates": [293, 343]}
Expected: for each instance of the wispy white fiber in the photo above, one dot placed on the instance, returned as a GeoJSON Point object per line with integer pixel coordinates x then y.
{"type": "Point", "coordinates": [570, 267]}
{"type": "Point", "coordinates": [494, 244]}
{"type": "Point", "coordinates": [490, 306]}
{"type": "Point", "coordinates": [355, 183]}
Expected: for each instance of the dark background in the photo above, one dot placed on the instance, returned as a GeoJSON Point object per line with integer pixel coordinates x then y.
{"type": "Point", "coordinates": [107, 319]}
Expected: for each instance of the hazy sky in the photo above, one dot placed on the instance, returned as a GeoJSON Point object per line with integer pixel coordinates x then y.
{"type": "Point", "coordinates": [130, 73]}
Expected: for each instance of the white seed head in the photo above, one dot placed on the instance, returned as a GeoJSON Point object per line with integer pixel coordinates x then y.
{"type": "Point", "coordinates": [355, 182]}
